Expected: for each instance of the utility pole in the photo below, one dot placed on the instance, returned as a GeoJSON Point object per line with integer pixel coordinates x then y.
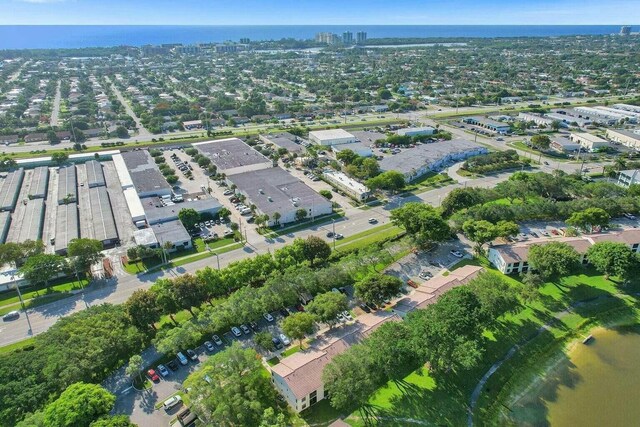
{"type": "Point", "coordinates": [333, 223]}
{"type": "Point", "coordinates": [30, 330]}
{"type": "Point", "coordinates": [217, 259]}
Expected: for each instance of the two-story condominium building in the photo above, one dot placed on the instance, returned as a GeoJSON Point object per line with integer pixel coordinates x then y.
{"type": "Point", "coordinates": [298, 378]}
{"type": "Point", "coordinates": [514, 258]}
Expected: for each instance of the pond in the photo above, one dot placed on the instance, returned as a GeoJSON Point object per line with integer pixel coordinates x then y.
{"type": "Point", "coordinates": [591, 385]}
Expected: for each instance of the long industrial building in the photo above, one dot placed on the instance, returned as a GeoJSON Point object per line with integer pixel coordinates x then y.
{"type": "Point", "coordinates": [10, 190]}
{"type": "Point", "coordinates": [95, 174]}
{"type": "Point", "coordinates": [39, 183]}
{"type": "Point", "coordinates": [121, 170]}
{"type": "Point", "coordinates": [5, 221]}
{"type": "Point", "coordinates": [67, 226]}
{"type": "Point", "coordinates": [232, 156]}
{"type": "Point", "coordinates": [30, 227]}
{"type": "Point", "coordinates": [67, 185]}
{"type": "Point", "coordinates": [104, 225]}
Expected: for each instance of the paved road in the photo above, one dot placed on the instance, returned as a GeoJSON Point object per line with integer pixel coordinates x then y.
{"type": "Point", "coordinates": [143, 133]}
{"type": "Point", "coordinates": [55, 111]}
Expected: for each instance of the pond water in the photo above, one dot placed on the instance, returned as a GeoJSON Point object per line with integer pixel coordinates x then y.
{"type": "Point", "coordinates": [593, 385]}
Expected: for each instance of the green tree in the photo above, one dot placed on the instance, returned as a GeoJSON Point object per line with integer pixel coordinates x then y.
{"type": "Point", "coordinates": [422, 222]}
{"type": "Point", "coordinates": [40, 269]}
{"type": "Point", "coordinates": [11, 253]}
{"type": "Point", "coordinates": [189, 218]}
{"type": "Point", "coordinates": [52, 137]}
{"type": "Point", "coordinates": [263, 339]}
{"type": "Point", "coordinates": [325, 307]}
{"type": "Point", "coordinates": [277, 216]}
{"type": "Point", "coordinates": [385, 94]}
{"type": "Point", "coordinates": [188, 292]}
{"type": "Point", "coordinates": [390, 180]}
{"type": "Point", "coordinates": [376, 289]}
{"type": "Point", "coordinates": [85, 252]}
{"type": "Point", "coordinates": [224, 213]}
{"type": "Point", "coordinates": [59, 157]}
{"type": "Point", "coordinates": [326, 194]}
{"type": "Point", "coordinates": [142, 308]}
{"type": "Point", "coordinates": [301, 214]}
{"type": "Point", "coordinates": [230, 389]}
{"type": "Point", "coordinates": [481, 232]}
{"type": "Point", "coordinates": [79, 405]}
{"type": "Point", "coordinates": [392, 351]}
{"type": "Point", "coordinates": [347, 156]}
{"type": "Point", "coordinates": [314, 248]}
{"type": "Point", "coordinates": [122, 132]}
{"type": "Point", "coordinates": [298, 326]}
{"type": "Point", "coordinates": [554, 259]}
{"type": "Point", "coordinates": [611, 258]}
{"type": "Point", "coordinates": [271, 419]}
{"type": "Point", "coordinates": [589, 218]}
{"type": "Point", "coordinates": [351, 377]}
{"type": "Point", "coordinates": [541, 142]}
{"type": "Point", "coordinates": [166, 298]}
{"type": "Point", "coordinates": [171, 341]}
{"type": "Point", "coordinates": [134, 367]}
{"type": "Point", "coordinates": [113, 421]}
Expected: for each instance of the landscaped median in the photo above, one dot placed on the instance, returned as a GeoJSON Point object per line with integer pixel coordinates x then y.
{"type": "Point", "coordinates": [369, 237]}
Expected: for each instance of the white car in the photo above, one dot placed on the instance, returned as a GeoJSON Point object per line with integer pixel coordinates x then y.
{"type": "Point", "coordinates": [285, 339]}
{"type": "Point", "coordinates": [209, 346]}
{"type": "Point", "coordinates": [268, 317]}
{"type": "Point", "coordinates": [456, 254]}
{"type": "Point", "coordinates": [216, 339]}
{"type": "Point", "coordinates": [171, 402]}
{"type": "Point", "coordinates": [236, 331]}
{"type": "Point", "coordinates": [347, 315]}
{"type": "Point", "coordinates": [373, 221]}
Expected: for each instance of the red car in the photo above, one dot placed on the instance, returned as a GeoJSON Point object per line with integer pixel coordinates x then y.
{"type": "Point", "coordinates": [153, 376]}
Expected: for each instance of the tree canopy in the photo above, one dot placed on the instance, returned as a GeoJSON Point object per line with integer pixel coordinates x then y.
{"type": "Point", "coordinates": [612, 259]}
{"type": "Point", "coordinates": [553, 259]}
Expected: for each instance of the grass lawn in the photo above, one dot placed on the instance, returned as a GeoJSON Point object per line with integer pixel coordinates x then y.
{"type": "Point", "coordinates": [273, 361]}
{"type": "Point", "coordinates": [428, 181]}
{"type": "Point", "coordinates": [320, 414]}
{"type": "Point", "coordinates": [17, 345]}
{"type": "Point", "coordinates": [369, 237]}
{"type": "Point", "coordinates": [275, 232]}
{"type": "Point", "coordinates": [442, 398]}
{"type": "Point", "coordinates": [291, 350]}
{"type": "Point", "coordinates": [11, 297]}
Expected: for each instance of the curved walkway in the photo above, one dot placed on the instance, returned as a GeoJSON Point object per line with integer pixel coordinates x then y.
{"type": "Point", "coordinates": [475, 395]}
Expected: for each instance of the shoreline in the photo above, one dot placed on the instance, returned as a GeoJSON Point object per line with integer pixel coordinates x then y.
{"type": "Point", "coordinates": [532, 379]}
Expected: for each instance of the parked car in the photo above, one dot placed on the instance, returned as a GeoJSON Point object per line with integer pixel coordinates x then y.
{"type": "Point", "coordinates": [12, 315]}
{"type": "Point", "coordinates": [629, 216]}
{"type": "Point", "coordinates": [173, 365]}
{"type": "Point", "coordinates": [276, 343]}
{"type": "Point", "coordinates": [341, 317]}
{"type": "Point", "coordinates": [425, 275]}
{"type": "Point", "coordinates": [339, 236]}
{"type": "Point", "coordinates": [456, 254]}
{"type": "Point", "coordinates": [153, 376]}
{"type": "Point", "coordinates": [171, 402]}
{"type": "Point", "coordinates": [329, 234]}
{"type": "Point", "coordinates": [335, 290]}
{"type": "Point", "coordinates": [254, 326]}
{"type": "Point", "coordinates": [216, 339]}
{"type": "Point", "coordinates": [209, 345]}
{"type": "Point", "coordinates": [192, 354]}
{"type": "Point", "coordinates": [182, 359]}
{"type": "Point", "coordinates": [364, 308]}
{"type": "Point", "coordinates": [228, 192]}
{"type": "Point", "coordinates": [236, 331]}
{"type": "Point", "coordinates": [284, 312]}
{"type": "Point", "coordinates": [342, 290]}
{"type": "Point", "coordinates": [268, 317]}
{"type": "Point", "coordinates": [347, 315]}
{"type": "Point", "coordinates": [246, 330]}
{"type": "Point", "coordinates": [285, 340]}
{"type": "Point", "coordinates": [163, 370]}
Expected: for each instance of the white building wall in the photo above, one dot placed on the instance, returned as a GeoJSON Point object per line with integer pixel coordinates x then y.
{"type": "Point", "coordinates": [122, 171]}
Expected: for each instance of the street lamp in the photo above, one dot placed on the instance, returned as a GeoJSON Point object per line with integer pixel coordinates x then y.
{"type": "Point", "coordinates": [333, 223]}
{"type": "Point", "coordinates": [30, 330]}
{"type": "Point", "coordinates": [217, 259]}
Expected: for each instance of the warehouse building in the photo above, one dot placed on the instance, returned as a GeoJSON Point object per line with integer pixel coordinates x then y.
{"type": "Point", "coordinates": [606, 116]}
{"type": "Point", "coordinates": [353, 188]}
{"type": "Point", "coordinates": [286, 140]}
{"type": "Point", "coordinates": [104, 226]}
{"type": "Point", "coordinates": [172, 232]}
{"type": "Point", "coordinates": [488, 124]}
{"type": "Point", "coordinates": [135, 206]}
{"type": "Point", "coordinates": [361, 149]}
{"type": "Point", "coordinates": [232, 156]}
{"type": "Point", "coordinates": [564, 145]}
{"type": "Point", "coordinates": [276, 190]}
{"type": "Point", "coordinates": [627, 107]}
{"type": "Point", "coordinates": [10, 190]}
{"type": "Point", "coordinates": [157, 211]}
{"type": "Point", "coordinates": [415, 162]}
{"type": "Point", "coordinates": [588, 141]}
{"type": "Point", "coordinates": [331, 137]}
{"type": "Point", "coordinates": [67, 185]}
{"type": "Point", "coordinates": [625, 137]}
{"type": "Point", "coordinates": [123, 173]}
{"type": "Point", "coordinates": [144, 173]}
{"type": "Point", "coordinates": [426, 130]}
{"type": "Point", "coordinates": [95, 174]}
{"type": "Point", "coordinates": [567, 120]}
{"type": "Point", "coordinates": [30, 227]}
{"type": "Point", "coordinates": [67, 226]}
{"type": "Point", "coordinates": [39, 183]}
{"type": "Point", "coordinates": [540, 120]}
{"type": "Point", "coordinates": [5, 222]}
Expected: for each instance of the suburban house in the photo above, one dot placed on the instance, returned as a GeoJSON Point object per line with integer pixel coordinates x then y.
{"type": "Point", "coordinates": [298, 378]}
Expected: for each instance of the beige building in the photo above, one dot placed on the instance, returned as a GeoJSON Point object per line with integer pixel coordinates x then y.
{"type": "Point", "coordinates": [624, 137]}
{"type": "Point", "coordinates": [588, 141]}
{"type": "Point", "coordinates": [298, 378]}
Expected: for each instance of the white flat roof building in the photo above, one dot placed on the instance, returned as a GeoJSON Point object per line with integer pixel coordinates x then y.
{"type": "Point", "coordinates": [134, 204]}
{"type": "Point", "coordinates": [353, 188]}
{"type": "Point", "coordinates": [588, 141]}
{"type": "Point", "coordinates": [625, 137]}
{"type": "Point", "coordinates": [123, 173]}
{"type": "Point", "coordinates": [232, 156]}
{"type": "Point", "coordinates": [331, 137]}
{"type": "Point", "coordinates": [425, 130]}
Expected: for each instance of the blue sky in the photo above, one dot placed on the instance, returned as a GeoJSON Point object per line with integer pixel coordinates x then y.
{"type": "Point", "coordinates": [300, 12]}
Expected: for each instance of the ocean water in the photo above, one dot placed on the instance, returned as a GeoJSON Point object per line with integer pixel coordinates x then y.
{"type": "Point", "coordinates": [77, 36]}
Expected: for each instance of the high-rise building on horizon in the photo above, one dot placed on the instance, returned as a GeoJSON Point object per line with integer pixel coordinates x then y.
{"type": "Point", "coordinates": [347, 37]}
{"type": "Point", "coordinates": [625, 30]}
{"type": "Point", "coordinates": [361, 37]}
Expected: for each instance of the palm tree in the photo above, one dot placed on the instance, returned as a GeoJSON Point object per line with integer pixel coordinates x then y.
{"type": "Point", "coordinates": [276, 217]}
